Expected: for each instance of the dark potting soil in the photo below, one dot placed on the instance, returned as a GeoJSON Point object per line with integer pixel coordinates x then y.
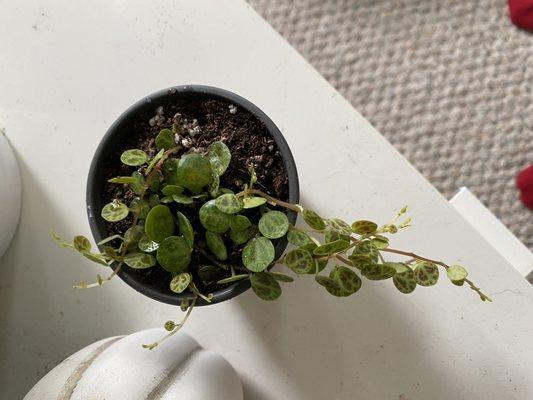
{"type": "Point", "coordinates": [199, 123]}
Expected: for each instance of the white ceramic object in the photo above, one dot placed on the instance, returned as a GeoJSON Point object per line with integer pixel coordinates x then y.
{"type": "Point", "coordinates": [118, 368]}
{"type": "Point", "coordinates": [9, 194]}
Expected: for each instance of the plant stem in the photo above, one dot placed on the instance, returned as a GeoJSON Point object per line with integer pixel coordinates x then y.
{"type": "Point", "coordinates": [482, 296]}
{"type": "Point", "coordinates": [177, 328]}
{"type": "Point", "coordinates": [415, 256]}
{"type": "Point", "coordinates": [298, 208]}
{"type": "Point", "coordinates": [194, 289]}
{"type": "Point", "coordinates": [344, 260]}
{"type": "Point", "coordinates": [272, 200]}
{"type": "Point", "coordinates": [100, 281]}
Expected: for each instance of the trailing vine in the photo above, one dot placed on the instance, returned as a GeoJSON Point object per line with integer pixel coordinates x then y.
{"type": "Point", "coordinates": [336, 254]}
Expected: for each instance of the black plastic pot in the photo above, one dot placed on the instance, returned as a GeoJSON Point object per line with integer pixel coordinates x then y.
{"type": "Point", "coordinates": [120, 130]}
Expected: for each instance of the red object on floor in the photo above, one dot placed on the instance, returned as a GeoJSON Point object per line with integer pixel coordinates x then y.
{"type": "Point", "coordinates": [524, 183]}
{"type": "Point", "coordinates": [521, 12]}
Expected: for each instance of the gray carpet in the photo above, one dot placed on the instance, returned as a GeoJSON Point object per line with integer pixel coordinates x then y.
{"type": "Point", "coordinates": [449, 83]}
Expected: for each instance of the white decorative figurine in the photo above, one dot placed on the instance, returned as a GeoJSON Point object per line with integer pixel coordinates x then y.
{"type": "Point", "coordinates": [118, 368]}
{"type": "Point", "coordinates": [9, 193]}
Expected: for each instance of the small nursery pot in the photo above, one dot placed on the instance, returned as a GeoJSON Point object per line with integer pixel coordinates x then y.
{"type": "Point", "coordinates": [119, 131]}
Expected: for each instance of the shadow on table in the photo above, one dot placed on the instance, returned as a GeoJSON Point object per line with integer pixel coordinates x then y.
{"type": "Point", "coordinates": [360, 347]}
{"type": "Point", "coordinates": [42, 318]}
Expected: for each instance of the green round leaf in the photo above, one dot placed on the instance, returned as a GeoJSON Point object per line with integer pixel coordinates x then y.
{"type": "Point", "coordinates": [297, 238]}
{"type": "Point", "coordinates": [426, 273]}
{"type": "Point", "coordinates": [134, 157]}
{"type": "Point", "coordinates": [258, 254]}
{"type": "Point", "coordinates": [159, 223]}
{"type": "Point", "coordinates": [115, 211]}
{"type": "Point", "coordinates": [330, 248]}
{"type": "Point", "coordinates": [139, 260]}
{"type": "Point", "coordinates": [139, 184]}
{"type": "Point", "coordinates": [273, 224]}
{"type": "Point", "coordinates": [111, 253]}
{"type": "Point", "coordinates": [214, 186]}
{"type": "Point", "coordinates": [132, 236]}
{"type": "Point", "coordinates": [167, 199]}
{"type": "Point", "coordinates": [339, 226]}
{"type": "Point", "coordinates": [165, 140]}
{"type": "Point", "coordinates": [147, 245]}
{"type": "Point", "coordinates": [219, 156]}
{"type": "Point", "coordinates": [380, 242]}
{"type": "Point", "coordinates": [155, 183]}
{"type": "Point", "coordinates": [330, 285]}
{"type": "Point", "coordinates": [280, 277]}
{"type": "Point", "coordinates": [216, 245]}
{"type": "Point", "coordinates": [456, 273]}
{"type": "Point", "coordinates": [404, 280]}
{"type": "Point", "coordinates": [186, 229]}
{"type": "Point", "coordinates": [194, 172]}
{"type": "Point", "coordinates": [364, 227]}
{"type": "Point", "coordinates": [252, 202]}
{"type": "Point", "coordinates": [169, 190]}
{"type": "Point", "coordinates": [140, 208]}
{"type": "Point", "coordinates": [210, 273]}
{"type": "Point", "coordinates": [81, 244]}
{"type": "Point", "coordinates": [174, 254]}
{"type": "Point", "coordinates": [239, 223]}
{"type": "Point", "coordinates": [169, 326]}
{"type": "Point", "coordinates": [300, 261]}
{"type": "Point", "coordinates": [182, 199]}
{"type": "Point", "coordinates": [229, 203]}
{"type": "Point", "coordinates": [240, 237]}
{"type": "Point", "coordinates": [399, 267]}
{"type": "Point", "coordinates": [153, 200]}
{"type": "Point", "coordinates": [314, 220]}
{"type": "Point", "coordinates": [265, 286]}
{"type": "Point", "coordinates": [377, 272]}
{"type": "Point", "coordinates": [180, 282]}
{"type": "Point", "coordinates": [213, 219]}
{"type": "Point", "coordinates": [363, 254]}
{"type": "Point", "coordinates": [331, 236]}
{"type": "Point", "coordinates": [170, 171]}
{"type": "Point", "coordinates": [348, 282]}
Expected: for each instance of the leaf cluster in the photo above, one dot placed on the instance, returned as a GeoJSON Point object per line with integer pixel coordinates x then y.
{"type": "Point", "coordinates": [180, 209]}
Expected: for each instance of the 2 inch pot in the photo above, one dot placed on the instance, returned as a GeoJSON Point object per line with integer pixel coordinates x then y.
{"type": "Point", "coordinates": [119, 131]}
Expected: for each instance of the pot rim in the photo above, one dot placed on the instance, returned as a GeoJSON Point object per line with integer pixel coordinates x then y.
{"type": "Point", "coordinates": [151, 101]}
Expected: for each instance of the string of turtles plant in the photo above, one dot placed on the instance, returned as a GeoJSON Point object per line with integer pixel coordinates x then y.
{"type": "Point", "coordinates": [161, 238]}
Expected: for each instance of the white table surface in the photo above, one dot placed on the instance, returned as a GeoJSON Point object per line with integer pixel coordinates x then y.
{"type": "Point", "coordinates": [68, 69]}
{"type": "Point", "coordinates": [494, 232]}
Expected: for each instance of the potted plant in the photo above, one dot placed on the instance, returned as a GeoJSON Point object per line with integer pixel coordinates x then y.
{"type": "Point", "coordinates": [192, 197]}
